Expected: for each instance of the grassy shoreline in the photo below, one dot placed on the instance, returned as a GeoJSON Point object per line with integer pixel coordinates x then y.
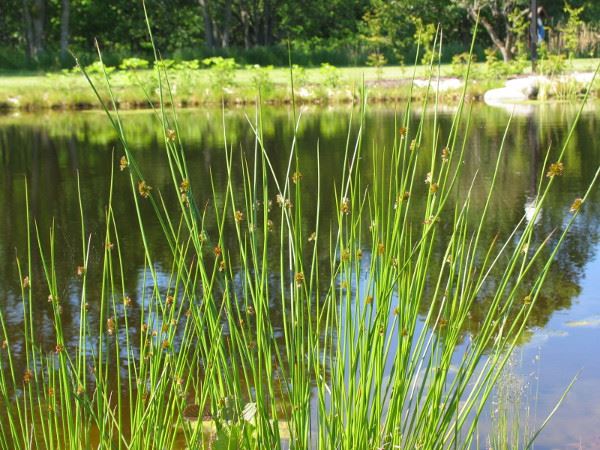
{"type": "Point", "coordinates": [205, 87]}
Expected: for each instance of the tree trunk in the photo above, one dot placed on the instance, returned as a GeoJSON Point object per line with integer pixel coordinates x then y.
{"type": "Point", "coordinates": [256, 23]}
{"type": "Point", "coordinates": [226, 24]}
{"type": "Point", "coordinates": [208, 25]}
{"type": "Point", "coordinates": [28, 29]}
{"type": "Point", "coordinates": [267, 23]}
{"type": "Point", "coordinates": [501, 45]}
{"type": "Point", "coordinates": [64, 29]}
{"type": "Point", "coordinates": [38, 17]}
{"type": "Point", "coordinates": [245, 18]}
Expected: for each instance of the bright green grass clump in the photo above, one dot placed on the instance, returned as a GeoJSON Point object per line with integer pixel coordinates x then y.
{"type": "Point", "coordinates": [355, 360]}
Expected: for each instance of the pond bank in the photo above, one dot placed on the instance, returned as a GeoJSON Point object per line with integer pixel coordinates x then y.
{"type": "Point", "coordinates": [198, 88]}
{"type": "Point", "coordinates": [70, 93]}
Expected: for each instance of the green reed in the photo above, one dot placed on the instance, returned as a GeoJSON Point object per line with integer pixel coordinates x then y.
{"type": "Point", "coordinates": [369, 352]}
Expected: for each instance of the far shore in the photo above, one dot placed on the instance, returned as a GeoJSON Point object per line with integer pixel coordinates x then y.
{"type": "Point", "coordinates": [205, 87]}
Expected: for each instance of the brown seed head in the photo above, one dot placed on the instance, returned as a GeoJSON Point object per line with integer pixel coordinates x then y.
{"type": "Point", "coordinates": [144, 189]}
{"type": "Point", "coordinates": [556, 169]}
{"type": "Point", "coordinates": [123, 163]}
{"type": "Point", "coordinates": [445, 154]}
{"type": "Point", "coordinates": [184, 187]}
{"type": "Point", "coordinates": [576, 205]}
{"type": "Point", "coordinates": [110, 326]}
{"type": "Point", "coordinates": [346, 255]}
{"type": "Point", "coordinates": [345, 206]}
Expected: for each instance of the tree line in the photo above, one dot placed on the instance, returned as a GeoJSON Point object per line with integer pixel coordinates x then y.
{"type": "Point", "coordinates": [43, 32]}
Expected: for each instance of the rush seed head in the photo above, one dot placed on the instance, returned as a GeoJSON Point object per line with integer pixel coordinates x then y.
{"type": "Point", "coordinates": [345, 206]}
{"type": "Point", "coordinates": [445, 154]}
{"type": "Point", "coordinates": [123, 163]}
{"type": "Point", "coordinates": [144, 189]}
{"type": "Point", "coordinates": [184, 186]}
{"type": "Point", "coordinates": [576, 205]}
{"type": "Point", "coordinates": [171, 135]}
{"type": "Point", "coordinates": [555, 170]}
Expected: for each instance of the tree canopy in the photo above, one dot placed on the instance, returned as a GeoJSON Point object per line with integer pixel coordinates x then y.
{"type": "Point", "coordinates": [40, 33]}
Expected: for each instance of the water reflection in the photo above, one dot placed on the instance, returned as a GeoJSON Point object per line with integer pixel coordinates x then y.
{"type": "Point", "coordinates": [52, 151]}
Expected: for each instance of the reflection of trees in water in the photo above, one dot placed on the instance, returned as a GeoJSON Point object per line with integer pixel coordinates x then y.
{"type": "Point", "coordinates": [50, 153]}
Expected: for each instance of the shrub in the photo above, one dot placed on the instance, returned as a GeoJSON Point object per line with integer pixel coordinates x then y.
{"type": "Point", "coordinates": [222, 71]}
{"type": "Point", "coordinates": [331, 75]}
{"type": "Point", "coordinates": [134, 64]}
{"type": "Point", "coordinates": [261, 78]}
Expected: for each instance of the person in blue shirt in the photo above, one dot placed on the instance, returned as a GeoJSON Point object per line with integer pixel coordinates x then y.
{"type": "Point", "coordinates": [541, 32]}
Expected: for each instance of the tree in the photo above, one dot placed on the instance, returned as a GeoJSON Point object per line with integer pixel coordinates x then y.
{"type": "Point", "coordinates": [34, 13]}
{"type": "Point", "coordinates": [64, 29]}
{"type": "Point", "coordinates": [499, 18]}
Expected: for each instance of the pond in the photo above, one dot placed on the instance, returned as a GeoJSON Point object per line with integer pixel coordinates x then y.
{"type": "Point", "coordinates": [53, 153]}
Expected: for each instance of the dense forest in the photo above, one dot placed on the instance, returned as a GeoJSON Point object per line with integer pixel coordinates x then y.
{"type": "Point", "coordinates": [42, 33]}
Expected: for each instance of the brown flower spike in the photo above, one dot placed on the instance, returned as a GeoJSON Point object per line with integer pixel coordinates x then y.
{"type": "Point", "coordinates": [576, 205]}
{"type": "Point", "coordinates": [555, 170]}
{"type": "Point", "coordinates": [144, 189]}
{"type": "Point", "coordinates": [123, 163]}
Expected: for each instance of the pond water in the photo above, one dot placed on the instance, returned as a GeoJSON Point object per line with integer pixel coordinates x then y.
{"type": "Point", "coordinates": [48, 151]}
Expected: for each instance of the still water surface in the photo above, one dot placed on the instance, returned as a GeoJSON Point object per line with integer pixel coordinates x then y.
{"type": "Point", "coordinates": [564, 333]}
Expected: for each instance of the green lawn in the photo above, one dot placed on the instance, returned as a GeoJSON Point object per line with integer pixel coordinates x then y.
{"type": "Point", "coordinates": [33, 91]}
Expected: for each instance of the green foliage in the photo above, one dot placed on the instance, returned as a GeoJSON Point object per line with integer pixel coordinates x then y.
{"type": "Point", "coordinates": [550, 64]}
{"type": "Point", "coordinates": [520, 27]}
{"type": "Point", "coordinates": [134, 64]}
{"type": "Point", "coordinates": [460, 63]}
{"type": "Point", "coordinates": [377, 60]}
{"type": "Point", "coordinates": [425, 35]}
{"type": "Point", "coordinates": [164, 64]}
{"type": "Point", "coordinates": [300, 75]}
{"type": "Point", "coordinates": [571, 28]}
{"type": "Point", "coordinates": [497, 69]}
{"type": "Point", "coordinates": [193, 64]}
{"type": "Point", "coordinates": [222, 72]}
{"type": "Point", "coordinates": [261, 78]}
{"type": "Point", "coordinates": [97, 68]}
{"type": "Point", "coordinates": [331, 75]}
